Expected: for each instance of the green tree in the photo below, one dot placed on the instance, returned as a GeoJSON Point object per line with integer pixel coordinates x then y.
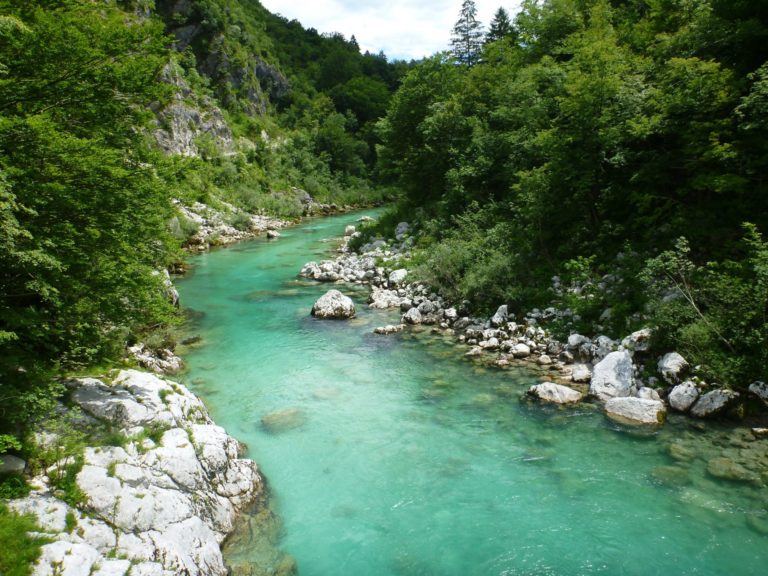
{"type": "Point", "coordinates": [467, 38]}
{"type": "Point", "coordinates": [501, 26]}
{"type": "Point", "coordinates": [83, 209]}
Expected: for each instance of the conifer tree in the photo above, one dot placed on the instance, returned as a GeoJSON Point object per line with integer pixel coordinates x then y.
{"type": "Point", "coordinates": [501, 26]}
{"type": "Point", "coordinates": [467, 40]}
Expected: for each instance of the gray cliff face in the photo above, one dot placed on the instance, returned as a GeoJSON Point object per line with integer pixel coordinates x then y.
{"type": "Point", "coordinates": [246, 85]}
{"type": "Point", "coordinates": [187, 118]}
{"type": "Point", "coordinates": [151, 507]}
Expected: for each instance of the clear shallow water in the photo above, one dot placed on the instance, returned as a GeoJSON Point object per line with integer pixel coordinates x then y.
{"type": "Point", "coordinates": [405, 459]}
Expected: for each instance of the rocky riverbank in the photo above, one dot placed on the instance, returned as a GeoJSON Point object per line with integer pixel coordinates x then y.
{"type": "Point", "coordinates": [160, 501]}
{"type": "Point", "coordinates": [204, 226]}
{"type": "Point", "coordinates": [633, 383]}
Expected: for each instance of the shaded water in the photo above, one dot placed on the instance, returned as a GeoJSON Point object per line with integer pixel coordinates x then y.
{"type": "Point", "coordinates": [392, 455]}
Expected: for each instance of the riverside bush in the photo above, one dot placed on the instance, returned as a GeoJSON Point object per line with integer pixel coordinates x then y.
{"type": "Point", "coordinates": [715, 314]}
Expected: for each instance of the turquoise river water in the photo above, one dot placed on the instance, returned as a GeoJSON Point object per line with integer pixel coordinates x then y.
{"type": "Point", "coordinates": [400, 457]}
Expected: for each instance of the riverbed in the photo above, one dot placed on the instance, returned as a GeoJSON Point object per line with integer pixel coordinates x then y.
{"type": "Point", "coordinates": [393, 455]}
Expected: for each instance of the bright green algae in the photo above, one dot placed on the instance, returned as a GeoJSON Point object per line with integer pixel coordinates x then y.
{"type": "Point", "coordinates": [392, 455]}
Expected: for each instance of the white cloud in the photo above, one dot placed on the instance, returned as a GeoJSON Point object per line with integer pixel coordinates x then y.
{"type": "Point", "coordinates": [401, 28]}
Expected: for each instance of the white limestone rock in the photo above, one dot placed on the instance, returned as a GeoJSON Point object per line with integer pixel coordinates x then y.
{"type": "Point", "coordinates": [500, 317]}
{"type": "Point", "coordinates": [163, 509]}
{"type": "Point", "coordinates": [683, 396]}
{"type": "Point", "coordinates": [521, 350]}
{"type": "Point", "coordinates": [413, 316]}
{"type": "Point", "coordinates": [381, 299]}
{"type": "Point", "coordinates": [612, 376]}
{"type": "Point", "coordinates": [334, 305]}
{"type": "Point", "coordinates": [639, 341]}
{"type": "Point", "coordinates": [581, 372]}
{"type": "Point", "coordinates": [672, 367]}
{"type": "Point", "coordinates": [648, 394]}
{"type": "Point", "coordinates": [397, 277]}
{"type": "Point", "coordinates": [630, 410]}
{"type": "Point", "coordinates": [555, 393]}
{"type": "Point", "coordinates": [714, 403]}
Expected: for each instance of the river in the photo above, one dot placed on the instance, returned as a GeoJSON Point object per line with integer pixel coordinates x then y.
{"type": "Point", "coordinates": [394, 455]}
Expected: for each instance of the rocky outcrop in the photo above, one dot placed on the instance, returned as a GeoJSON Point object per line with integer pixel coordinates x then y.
{"type": "Point", "coordinates": [188, 117]}
{"type": "Point", "coordinates": [160, 504]}
{"type": "Point", "coordinates": [334, 305]}
{"type": "Point", "coordinates": [555, 393]}
{"type": "Point", "coordinates": [612, 376]}
{"type": "Point", "coordinates": [631, 410]}
{"type": "Point", "coordinates": [714, 403]}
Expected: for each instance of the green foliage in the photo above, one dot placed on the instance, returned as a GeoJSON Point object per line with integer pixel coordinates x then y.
{"type": "Point", "coordinates": [82, 206]}
{"type": "Point", "coordinates": [13, 486]}
{"type": "Point", "coordinates": [596, 126]}
{"type": "Point", "coordinates": [20, 550]}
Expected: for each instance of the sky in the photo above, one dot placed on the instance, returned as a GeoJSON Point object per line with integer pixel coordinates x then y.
{"type": "Point", "coordinates": [402, 29]}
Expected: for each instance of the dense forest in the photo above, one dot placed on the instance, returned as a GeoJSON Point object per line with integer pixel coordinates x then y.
{"type": "Point", "coordinates": [618, 146]}
{"type": "Point", "coordinates": [87, 190]}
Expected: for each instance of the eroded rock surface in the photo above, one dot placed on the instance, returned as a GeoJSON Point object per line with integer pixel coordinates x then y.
{"type": "Point", "coordinates": [162, 503]}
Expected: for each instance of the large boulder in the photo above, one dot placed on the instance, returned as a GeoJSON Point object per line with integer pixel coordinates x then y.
{"type": "Point", "coordinates": [631, 410]}
{"type": "Point", "coordinates": [715, 403]}
{"type": "Point", "coordinates": [683, 396]}
{"type": "Point", "coordinates": [673, 367]}
{"type": "Point", "coordinates": [334, 305]}
{"type": "Point", "coordinates": [612, 376]}
{"type": "Point", "coordinates": [555, 393]}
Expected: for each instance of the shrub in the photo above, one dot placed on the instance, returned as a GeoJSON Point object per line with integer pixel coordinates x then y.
{"type": "Point", "coordinates": [20, 550]}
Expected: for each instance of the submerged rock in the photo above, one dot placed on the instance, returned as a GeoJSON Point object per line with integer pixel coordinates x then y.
{"type": "Point", "coordinates": [555, 393]}
{"type": "Point", "coordinates": [283, 420]}
{"type": "Point", "coordinates": [636, 410]}
{"type": "Point", "coordinates": [728, 469]}
{"type": "Point", "coordinates": [334, 305]}
{"type": "Point", "coordinates": [612, 376]}
{"type": "Point", "coordinates": [389, 329]}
